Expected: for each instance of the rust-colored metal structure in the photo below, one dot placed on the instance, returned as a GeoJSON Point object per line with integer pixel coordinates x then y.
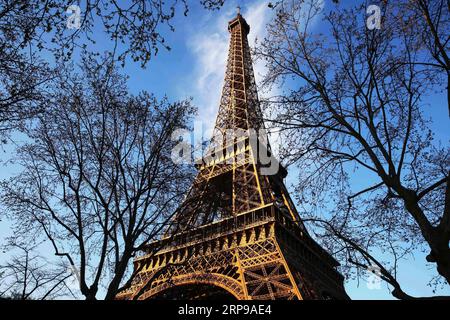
{"type": "Point", "coordinates": [237, 234]}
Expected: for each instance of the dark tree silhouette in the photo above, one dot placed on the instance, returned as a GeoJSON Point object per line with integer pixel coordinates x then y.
{"type": "Point", "coordinates": [137, 23]}
{"type": "Point", "coordinates": [356, 108]}
{"type": "Point", "coordinates": [98, 181]}
{"type": "Point", "coordinates": [33, 29]}
{"type": "Point", "coordinates": [29, 276]}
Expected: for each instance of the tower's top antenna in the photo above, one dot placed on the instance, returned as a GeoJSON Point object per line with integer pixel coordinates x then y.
{"type": "Point", "coordinates": [239, 20]}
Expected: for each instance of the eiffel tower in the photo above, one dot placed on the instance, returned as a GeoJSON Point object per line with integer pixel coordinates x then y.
{"type": "Point", "coordinates": [237, 234]}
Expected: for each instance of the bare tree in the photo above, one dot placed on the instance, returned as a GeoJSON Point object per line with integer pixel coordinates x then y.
{"type": "Point", "coordinates": [22, 74]}
{"type": "Point", "coordinates": [354, 106]}
{"type": "Point", "coordinates": [29, 276]}
{"type": "Point", "coordinates": [429, 22]}
{"type": "Point", "coordinates": [31, 30]}
{"type": "Point", "coordinates": [55, 25]}
{"type": "Point", "coordinates": [98, 180]}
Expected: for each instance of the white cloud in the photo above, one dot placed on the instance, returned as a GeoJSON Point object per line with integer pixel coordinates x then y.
{"type": "Point", "coordinates": [210, 49]}
{"type": "Point", "coordinates": [257, 17]}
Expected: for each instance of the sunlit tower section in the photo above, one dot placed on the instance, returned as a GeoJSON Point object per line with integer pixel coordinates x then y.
{"type": "Point", "coordinates": [237, 234]}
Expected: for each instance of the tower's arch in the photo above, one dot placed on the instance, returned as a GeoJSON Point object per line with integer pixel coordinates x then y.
{"type": "Point", "coordinates": [209, 284]}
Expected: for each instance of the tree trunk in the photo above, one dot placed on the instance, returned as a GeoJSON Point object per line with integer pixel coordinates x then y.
{"type": "Point", "coordinates": [90, 295]}
{"type": "Point", "coordinates": [436, 237]}
{"type": "Point", "coordinates": [118, 275]}
{"type": "Point", "coordinates": [440, 253]}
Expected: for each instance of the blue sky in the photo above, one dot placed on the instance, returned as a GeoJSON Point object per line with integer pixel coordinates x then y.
{"type": "Point", "coordinates": [195, 68]}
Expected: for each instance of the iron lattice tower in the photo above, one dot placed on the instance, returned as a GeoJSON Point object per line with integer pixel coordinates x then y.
{"type": "Point", "coordinates": [237, 233]}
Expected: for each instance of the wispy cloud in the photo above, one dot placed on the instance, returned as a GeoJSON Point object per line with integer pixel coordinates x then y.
{"type": "Point", "coordinates": [210, 49]}
{"type": "Point", "coordinates": [257, 16]}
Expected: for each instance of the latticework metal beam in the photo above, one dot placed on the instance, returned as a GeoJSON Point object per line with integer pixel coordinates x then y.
{"type": "Point", "coordinates": [238, 229]}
